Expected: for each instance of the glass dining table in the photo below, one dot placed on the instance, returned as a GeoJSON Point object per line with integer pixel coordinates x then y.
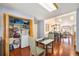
{"type": "Point", "coordinates": [45, 43]}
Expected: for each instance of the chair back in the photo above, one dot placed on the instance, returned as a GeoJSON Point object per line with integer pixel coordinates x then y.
{"type": "Point", "coordinates": [51, 35]}
{"type": "Point", "coordinates": [32, 44]}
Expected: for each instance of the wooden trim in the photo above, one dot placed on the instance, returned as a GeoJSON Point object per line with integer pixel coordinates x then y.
{"type": "Point", "coordinates": [31, 28]}
{"type": "Point", "coordinates": [6, 31]}
{"type": "Point", "coordinates": [6, 35]}
{"type": "Point", "coordinates": [16, 16]}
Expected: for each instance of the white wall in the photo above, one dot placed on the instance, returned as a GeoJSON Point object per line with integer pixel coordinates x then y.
{"type": "Point", "coordinates": [34, 28]}
{"type": "Point", "coordinates": [77, 37]}
{"type": "Point", "coordinates": [40, 29]}
{"type": "Point", "coordinates": [50, 22]}
{"type": "Point", "coordinates": [1, 33]}
{"type": "Point", "coordinates": [68, 19]}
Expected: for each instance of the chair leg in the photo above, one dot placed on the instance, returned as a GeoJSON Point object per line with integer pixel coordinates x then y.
{"type": "Point", "coordinates": [44, 53]}
{"type": "Point", "coordinates": [30, 54]}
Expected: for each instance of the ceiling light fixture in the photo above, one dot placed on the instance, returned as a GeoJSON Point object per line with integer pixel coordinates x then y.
{"type": "Point", "coordinates": [72, 18]}
{"type": "Point", "coordinates": [49, 6]}
{"type": "Point", "coordinates": [60, 20]}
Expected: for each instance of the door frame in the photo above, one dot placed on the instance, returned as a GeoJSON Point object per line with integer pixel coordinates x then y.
{"type": "Point", "coordinates": [6, 30]}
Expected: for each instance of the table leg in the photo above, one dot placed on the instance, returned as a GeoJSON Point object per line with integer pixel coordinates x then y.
{"type": "Point", "coordinates": [43, 46]}
{"type": "Point", "coordinates": [36, 43]}
{"type": "Point", "coordinates": [46, 50]}
{"type": "Point", "coordinates": [52, 47]}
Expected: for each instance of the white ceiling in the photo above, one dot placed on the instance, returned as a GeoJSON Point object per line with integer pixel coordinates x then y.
{"type": "Point", "coordinates": [35, 10]}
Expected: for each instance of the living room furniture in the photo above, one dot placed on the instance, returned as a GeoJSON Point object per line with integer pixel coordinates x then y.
{"type": "Point", "coordinates": [45, 43]}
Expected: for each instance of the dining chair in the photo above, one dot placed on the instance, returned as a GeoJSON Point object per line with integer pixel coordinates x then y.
{"type": "Point", "coordinates": [50, 36]}
{"type": "Point", "coordinates": [34, 50]}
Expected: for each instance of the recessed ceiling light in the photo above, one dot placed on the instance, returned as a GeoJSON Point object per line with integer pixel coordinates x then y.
{"type": "Point", "coordinates": [72, 18]}
{"type": "Point", "coordinates": [60, 20]}
{"type": "Point", "coordinates": [49, 6]}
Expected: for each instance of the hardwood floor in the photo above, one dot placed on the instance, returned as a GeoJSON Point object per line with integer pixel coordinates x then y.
{"type": "Point", "coordinates": [20, 52]}
{"type": "Point", "coordinates": [63, 48]}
